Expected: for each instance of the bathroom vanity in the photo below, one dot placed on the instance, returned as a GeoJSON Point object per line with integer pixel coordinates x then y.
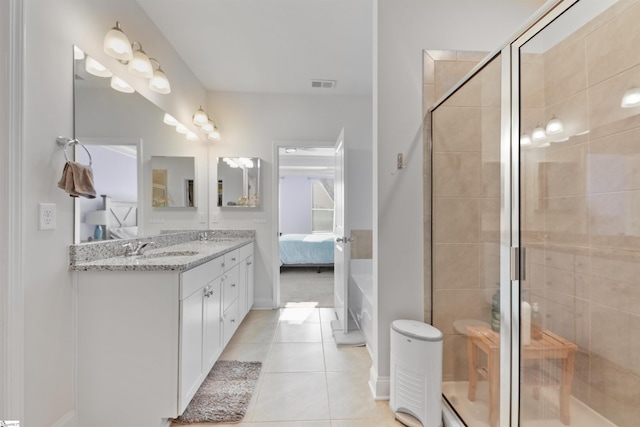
{"type": "Point", "coordinates": [150, 327]}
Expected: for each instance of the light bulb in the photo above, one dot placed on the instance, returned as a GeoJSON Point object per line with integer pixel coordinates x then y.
{"type": "Point", "coordinates": [159, 82]}
{"type": "Point", "coordinates": [538, 134]}
{"type": "Point", "coordinates": [97, 69]}
{"type": "Point", "coordinates": [120, 85]}
{"type": "Point", "coordinates": [192, 136]}
{"type": "Point", "coordinates": [631, 98]}
{"type": "Point", "coordinates": [525, 140]}
{"type": "Point", "coordinates": [208, 127]}
{"type": "Point", "coordinates": [140, 65]}
{"type": "Point", "coordinates": [170, 120]}
{"type": "Point", "coordinates": [215, 135]}
{"type": "Point", "coordinates": [117, 45]}
{"type": "Point", "coordinates": [77, 53]}
{"type": "Point", "coordinates": [554, 126]}
{"type": "Point", "coordinates": [200, 118]}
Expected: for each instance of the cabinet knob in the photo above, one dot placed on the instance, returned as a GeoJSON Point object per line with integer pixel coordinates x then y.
{"type": "Point", "coordinates": [233, 285]}
{"type": "Point", "coordinates": [222, 264]}
{"type": "Point", "coordinates": [233, 320]}
{"type": "Point", "coordinates": [233, 259]}
{"type": "Point", "coordinates": [248, 262]}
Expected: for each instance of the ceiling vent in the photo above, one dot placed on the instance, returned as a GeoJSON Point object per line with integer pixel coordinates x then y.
{"type": "Point", "coordinates": [323, 84]}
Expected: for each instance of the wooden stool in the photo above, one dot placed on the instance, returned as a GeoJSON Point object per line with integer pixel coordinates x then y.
{"type": "Point", "coordinates": [549, 346]}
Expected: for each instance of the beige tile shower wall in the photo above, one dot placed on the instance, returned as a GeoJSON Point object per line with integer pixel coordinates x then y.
{"type": "Point", "coordinates": [362, 244]}
{"type": "Point", "coordinates": [441, 71]}
{"type": "Point", "coordinates": [466, 191]}
{"type": "Point", "coordinates": [581, 203]}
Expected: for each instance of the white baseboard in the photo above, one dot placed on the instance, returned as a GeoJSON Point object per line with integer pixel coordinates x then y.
{"type": "Point", "coordinates": [262, 304]}
{"type": "Point", "coordinates": [68, 420]}
{"type": "Point", "coordinates": [380, 386]}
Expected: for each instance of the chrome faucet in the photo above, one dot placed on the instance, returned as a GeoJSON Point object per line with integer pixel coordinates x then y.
{"type": "Point", "coordinates": [203, 236]}
{"type": "Point", "coordinates": [130, 250]}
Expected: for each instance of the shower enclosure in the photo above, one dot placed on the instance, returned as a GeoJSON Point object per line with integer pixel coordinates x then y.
{"type": "Point", "coordinates": [535, 206]}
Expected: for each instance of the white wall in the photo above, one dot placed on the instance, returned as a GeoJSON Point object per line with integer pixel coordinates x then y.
{"type": "Point", "coordinates": [252, 123]}
{"type": "Point", "coordinates": [404, 28]}
{"type": "Point", "coordinates": [52, 27]}
{"type": "Point", "coordinates": [295, 204]}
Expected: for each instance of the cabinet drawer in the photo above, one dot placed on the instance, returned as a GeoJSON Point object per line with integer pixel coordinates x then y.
{"type": "Point", "coordinates": [197, 277]}
{"type": "Point", "coordinates": [246, 251]}
{"type": "Point", "coordinates": [231, 321]}
{"type": "Point", "coordinates": [231, 259]}
{"type": "Point", "coordinates": [230, 286]}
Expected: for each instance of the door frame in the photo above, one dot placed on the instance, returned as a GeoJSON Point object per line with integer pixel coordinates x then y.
{"type": "Point", "coordinates": [275, 217]}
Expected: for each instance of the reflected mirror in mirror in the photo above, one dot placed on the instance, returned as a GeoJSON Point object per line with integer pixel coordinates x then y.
{"type": "Point", "coordinates": [173, 182]}
{"type": "Point", "coordinates": [238, 182]}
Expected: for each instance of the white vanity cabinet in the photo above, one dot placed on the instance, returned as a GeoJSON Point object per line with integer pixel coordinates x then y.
{"type": "Point", "coordinates": [147, 338]}
{"type": "Point", "coordinates": [245, 298]}
{"type": "Point", "coordinates": [200, 343]}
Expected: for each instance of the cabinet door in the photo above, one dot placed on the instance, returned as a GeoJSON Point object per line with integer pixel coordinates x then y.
{"type": "Point", "coordinates": [230, 287]}
{"type": "Point", "coordinates": [191, 329]}
{"type": "Point", "coordinates": [249, 281]}
{"type": "Point", "coordinates": [242, 292]}
{"type": "Point", "coordinates": [212, 324]}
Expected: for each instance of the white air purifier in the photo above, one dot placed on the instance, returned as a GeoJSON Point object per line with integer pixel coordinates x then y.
{"type": "Point", "coordinates": [416, 373]}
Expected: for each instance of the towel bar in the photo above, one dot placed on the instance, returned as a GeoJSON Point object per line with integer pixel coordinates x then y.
{"type": "Point", "coordinates": [67, 142]}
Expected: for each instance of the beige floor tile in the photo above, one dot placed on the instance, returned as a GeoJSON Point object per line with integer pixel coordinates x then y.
{"type": "Point", "coordinates": [386, 422]}
{"type": "Point", "coordinates": [327, 315]}
{"type": "Point", "coordinates": [255, 332]}
{"type": "Point", "coordinates": [262, 316]}
{"type": "Point", "coordinates": [292, 397]}
{"type": "Point", "coordinates": [246, 352]}
{"type": "Point", "coordinates": [350, 397]}
{"type": "Point", "coordinates": [327, 332]}
{"type": "Point", "coordinates": [305, 332]}
{"type": "Point", "coordinates": [299, 315]}
{"type": "Point", "coordinates": [296, 357]}
{"type": "Point", "coordinates": [346, 359]}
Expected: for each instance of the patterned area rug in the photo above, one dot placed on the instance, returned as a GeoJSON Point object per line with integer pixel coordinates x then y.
{"type": "Point", "coordinates": [224, 395]}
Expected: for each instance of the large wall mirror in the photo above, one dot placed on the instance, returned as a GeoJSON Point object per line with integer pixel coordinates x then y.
{"type": "Point", "coordinates": [238, 182]}
{"type": "Point", "coordinates": [117, 126]}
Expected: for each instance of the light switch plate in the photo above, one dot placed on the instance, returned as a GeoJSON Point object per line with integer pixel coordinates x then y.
{"type": "Point", "coordinates": [260, 218]}
{"type": "Point", "coordinates": [202, 218]}
{"type": "Point", "coordinates": [215, 217]}
{"type": "Point", "coordinates": [47, 215]}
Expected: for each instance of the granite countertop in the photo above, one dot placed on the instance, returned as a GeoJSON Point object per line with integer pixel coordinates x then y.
{"type": "Point", "coordinates": [178, 257]}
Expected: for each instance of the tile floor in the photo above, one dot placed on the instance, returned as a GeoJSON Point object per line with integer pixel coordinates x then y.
{"type": "Point", "coordinates": [306, 381]}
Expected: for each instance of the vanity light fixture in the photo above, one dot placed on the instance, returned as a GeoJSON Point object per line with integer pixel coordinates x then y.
{"type": "Point", "coordinates": [538, 134]}
{"type": "Point", "coordinates": [191, 136]}
{"type": "Point", "coordinates": [140, 65]}
{"type": "Point", "coordinates": [97, 69]}
{"type": "Point", "coordinates": [180, 128]}
{"type": "Point", "coordinates": [525, 140]}
{"type": "Point", "coordinates": [631, 98]}
{"type": "Point", "coordinates": [554, 126]}
{"type": "Point", "coordinates": [159, 82]}
{"type": "Point", "coordinates": [169, 120]}
{"type": "Point", "coordinates": [117, 45]}
{"type": "Point", "coordinates": [78, 54]}
{"type": "Point", "coordinates": [208, 127]}
{"type": "Point", "coordinates": [200, 118]}
{"type": "Point", "coordinates": [120, 85]}
{"type": "Point", "coordinates": [214, 135]}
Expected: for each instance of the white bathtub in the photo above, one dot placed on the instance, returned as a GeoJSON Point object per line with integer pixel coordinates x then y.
{"type": "Point", "coordinates": [361, 296]}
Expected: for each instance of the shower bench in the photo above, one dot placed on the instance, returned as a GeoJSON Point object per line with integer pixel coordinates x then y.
{"type": "Point", "coordinates": [549, 347]}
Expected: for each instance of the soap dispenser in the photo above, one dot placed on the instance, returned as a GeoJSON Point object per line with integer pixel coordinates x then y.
{"type": "Point", "coordinates": [536, 322]}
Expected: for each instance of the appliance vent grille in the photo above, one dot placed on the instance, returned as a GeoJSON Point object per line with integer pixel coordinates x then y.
{"type": "Point", "coordinates": [323, 84]}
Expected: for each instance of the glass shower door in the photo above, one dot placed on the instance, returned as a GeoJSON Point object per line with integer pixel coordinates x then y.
{"type": "Point", "coordinates": [579, 219]}
{"type": "Point", "coordinates": [466, 191]}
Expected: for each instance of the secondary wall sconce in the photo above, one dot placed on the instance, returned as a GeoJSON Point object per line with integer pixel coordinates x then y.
{"type": "Point", "coordinates": [554, 126]}
{"type": "Point", "coordinates": [117, 45]}
{"type": "Point", "coordinates": [120, 85]}
{"type": "Point", "coordinates": [538, 134]}
{"type": "Point", "coordinates": [201, 119]}
{"type": "Point", "coordinates": [97, 69]}
{"type": "Point", "coordinates": [631, 98]}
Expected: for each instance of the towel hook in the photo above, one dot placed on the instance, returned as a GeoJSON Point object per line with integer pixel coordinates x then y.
{"type": "Point", "coordinates": [67, 142]}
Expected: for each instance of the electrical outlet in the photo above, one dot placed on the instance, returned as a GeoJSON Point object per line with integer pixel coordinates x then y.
{"type": "Point", "coordinates": [215, 217]}
{"type": "Point", "coordinates": [47, 213]}
{"type": "Point", "coordinates": [202, 218]}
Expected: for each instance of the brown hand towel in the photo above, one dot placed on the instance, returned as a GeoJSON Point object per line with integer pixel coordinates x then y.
{"type": "Point", "coordinates": [77, 180]}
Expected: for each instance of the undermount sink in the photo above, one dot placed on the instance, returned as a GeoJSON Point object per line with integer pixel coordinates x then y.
{"type": "Point", "coordinates": [170, 254]}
